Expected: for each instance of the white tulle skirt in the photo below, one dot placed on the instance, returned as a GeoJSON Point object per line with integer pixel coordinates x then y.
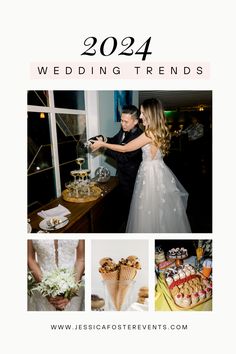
{"type": "Point", "coordinates": [159, 201]}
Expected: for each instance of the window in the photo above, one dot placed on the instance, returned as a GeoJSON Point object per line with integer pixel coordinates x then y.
{"type": "Point", "coordinates": [69, 99]}
{"type": "Point", "coordinates": [55, 139]}
{"type": "Point", "coordinates": [71, 134]}
{"type": "Point", "coordinates": [38, 98]}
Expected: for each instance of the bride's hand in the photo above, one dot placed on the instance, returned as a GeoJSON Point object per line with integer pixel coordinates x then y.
{"type": "Point", "coordinates": [61, 303]}
{"type": "Point", "coordinates": [96, 144]}
{"type": "Point", "coordinates": [58, 302]}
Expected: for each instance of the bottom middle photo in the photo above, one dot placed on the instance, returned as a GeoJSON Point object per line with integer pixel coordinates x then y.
{"type": "Point", "coordinates": [119, 275]}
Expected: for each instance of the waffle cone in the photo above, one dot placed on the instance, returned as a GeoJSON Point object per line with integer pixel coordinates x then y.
{"type": "Point", "coordinates": [111, 280]}
{"type": "Point", "coordinates": [126, 275]}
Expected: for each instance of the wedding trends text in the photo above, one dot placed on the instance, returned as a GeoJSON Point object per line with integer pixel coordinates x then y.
{"type": "Point", "coordinates": [120, 70]}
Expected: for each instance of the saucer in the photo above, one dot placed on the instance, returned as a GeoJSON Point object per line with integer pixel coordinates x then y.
{"type": "Point", "coordinates": [44, 224]}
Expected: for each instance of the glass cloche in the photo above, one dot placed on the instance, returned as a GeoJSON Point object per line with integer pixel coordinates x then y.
{"type": "Point", "coordinates": [102, 174]}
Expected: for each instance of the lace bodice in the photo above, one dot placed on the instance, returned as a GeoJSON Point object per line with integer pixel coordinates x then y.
{"type": "Point", "coordinates": [50, 258]}
{"type": "Point", "coordinates": [147, 156]}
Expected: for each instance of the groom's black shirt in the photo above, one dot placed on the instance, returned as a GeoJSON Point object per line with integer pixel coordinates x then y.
{"type": "Point", "coordinates": [127, 163]}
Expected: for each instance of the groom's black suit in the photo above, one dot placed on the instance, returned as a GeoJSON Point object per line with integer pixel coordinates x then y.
{"type": "Point", "coordinates": [127, 167]}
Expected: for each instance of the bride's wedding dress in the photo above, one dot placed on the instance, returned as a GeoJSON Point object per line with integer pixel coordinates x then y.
{"type": "Point", "coordinates": [49, 258]}
{"type": "Point", "coordinates": [159, 200]}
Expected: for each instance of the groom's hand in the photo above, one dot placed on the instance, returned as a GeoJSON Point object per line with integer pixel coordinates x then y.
{"type": "Point", "coordinates": [97, 137]}
{"type": "Point", "coordinates": [96, 144]}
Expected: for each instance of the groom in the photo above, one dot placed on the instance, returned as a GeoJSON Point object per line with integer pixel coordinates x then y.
{"type": "Point", "coordinates": [127, 163]}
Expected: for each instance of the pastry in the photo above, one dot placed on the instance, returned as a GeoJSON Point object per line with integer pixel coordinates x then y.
{"type": "Point", "coordinates": [202, 295]}
{"type": "Point", "coordinates": [208, 292]}
{"type": "Point", "coordinates": [96, 302]}
{"type": "Point", "coordinates": [178, 299]}
{"type": "Point", "coordinates": [54, 221]}
{"type": "Point", "coordinates": [195, 298]}
{"type": "Point", "coordinates": [191, 286]}
{"type": "Point", "coordinates": [160, 256]}
{"type": "Point", "coordinates": [186, 300]}
{"type": "Point", "coordinates": [169, 280]}
{"type": "Point", "coordinates": [182, 274]}
{"type": "Point", "coordinates": [143, 291]}
{"type": "Point", "coordinates": [187, 272]}
{"type": "Point", "coordinates": [178, 253]}
{"type": "Point", "coordinates": [175, 290]}
{"type": "Point", "coordinates": [165, 264]}
{"type": "Point", "coordinates": [142, 294]}
{"type": "Point", "coordinates": [176, 277]}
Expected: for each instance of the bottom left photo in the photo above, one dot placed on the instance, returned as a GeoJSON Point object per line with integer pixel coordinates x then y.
{"type": "Point", "coordinates": [56, 273]}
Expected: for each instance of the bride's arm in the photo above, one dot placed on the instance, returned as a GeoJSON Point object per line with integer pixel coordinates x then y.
{"type": "Point", "coordinates": [80, 261]}
{"type": "Point", "coordinates": [133, 145]}
{"type": "Point", "coordinates": [32, 264]}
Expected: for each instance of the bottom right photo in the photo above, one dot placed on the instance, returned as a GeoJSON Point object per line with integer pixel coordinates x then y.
{"type": "Point", "coordinates": [184, 275]}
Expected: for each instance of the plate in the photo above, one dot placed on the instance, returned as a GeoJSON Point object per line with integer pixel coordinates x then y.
{"type": "Point", "coordinates": [29, 228]}
{"type": "Point", "coordinates": [44, 226]}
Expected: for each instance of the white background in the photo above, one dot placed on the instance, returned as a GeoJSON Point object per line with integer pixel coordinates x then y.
{"type": "Point", "coordinates": [181, 31]}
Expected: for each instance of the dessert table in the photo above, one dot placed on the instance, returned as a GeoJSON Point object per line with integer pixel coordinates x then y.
{"type": "Point", "coordinates": [101, 215]}
{"type": "Point", "coordinates": [164, 301]}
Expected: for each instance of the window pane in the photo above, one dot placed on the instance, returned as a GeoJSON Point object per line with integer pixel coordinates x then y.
{"type": "Point", "coordinates": [71, 125]}
{"type": "Point", "coordinates": [41, 189]}
{"type": "Point", "coordinates": [69, 99]}
{"type": "Point", "coordinates": [39, 144]}
{"type": "Point", "coordinates": [41, 185]}
{"type": "Point", "coordinates": [38, 98]}
{"type": "Point", "coordinates": [71, 134]}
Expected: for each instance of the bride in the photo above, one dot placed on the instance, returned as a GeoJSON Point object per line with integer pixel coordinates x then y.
{"type": "Point", "coordinates": [159, 200]}
{"type": "Point", "coordinates": [47, 255]}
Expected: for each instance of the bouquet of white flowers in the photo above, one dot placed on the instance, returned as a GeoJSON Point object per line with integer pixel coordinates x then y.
{"type": "Point", "coordinates": [60, 282]}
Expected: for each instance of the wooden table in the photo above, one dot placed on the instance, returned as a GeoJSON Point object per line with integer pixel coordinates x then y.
{"type": "Point", "coordinates": [100, 215]}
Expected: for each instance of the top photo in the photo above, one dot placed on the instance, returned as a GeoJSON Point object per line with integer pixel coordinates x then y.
{"type": "Point", "coordinates": [119, 161]}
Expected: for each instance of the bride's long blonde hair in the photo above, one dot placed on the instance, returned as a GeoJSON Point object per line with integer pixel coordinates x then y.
{"type": "Point", "coordinates": [156, 127]}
